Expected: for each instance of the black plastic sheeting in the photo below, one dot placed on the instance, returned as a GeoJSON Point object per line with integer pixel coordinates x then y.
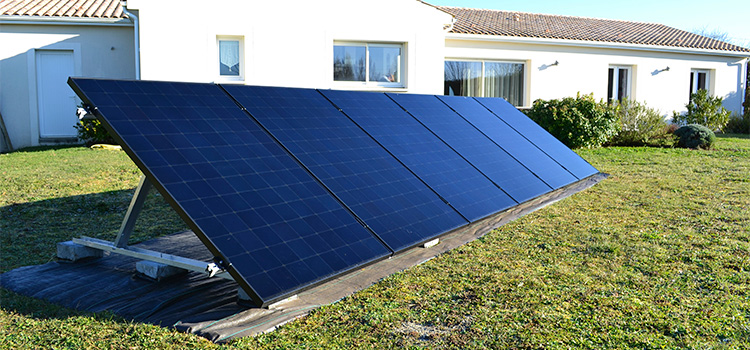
{"type": "Point", "coordinates": [110, 284]}
{"type": "Point", "coordinates": [208, 307]}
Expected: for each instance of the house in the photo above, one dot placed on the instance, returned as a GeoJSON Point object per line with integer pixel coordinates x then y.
{"type": "Point", "coordinates": [526, 56]}
{"type": "Point", "coordinates": [44, 42]}
{"type": "Point", "coordinates": [390, 45]}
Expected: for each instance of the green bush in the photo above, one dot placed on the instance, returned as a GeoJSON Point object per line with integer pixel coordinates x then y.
{"type": "Point", "coordinates": [639, 124]}
{"type": "Point", "coordinates": [695, 136]}
{"type": "Point", "coordinates": [705, 110]}
{"type": "Point", "coordinates": [738, 124]}
{"type": "Point", "coordinates": [576, 122]}
{"type": "Point", "coordinates": [91, 131]}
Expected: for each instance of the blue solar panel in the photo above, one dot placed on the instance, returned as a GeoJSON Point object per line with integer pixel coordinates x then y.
{"type": "Point", "coordinates": [510, 174]}
{"type": "Point", "coordinates": [510, 140]}
{"type": "Point", "coordinates": [398, 207]}
{"type": "Point", "coordinates": [248, 200]}
{"type": "Point", "coordinates": [539, 137]}
{"type": "Point", "coordinates": [444, 170]}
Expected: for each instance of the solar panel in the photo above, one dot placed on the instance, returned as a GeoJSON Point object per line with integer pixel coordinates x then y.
{"type": "Point", "coordinates": [518, 146]}
{"type": "Point", "coordinates": [245, 197]}
{"type": "Point", "coordinates": [506, 171]}
{"type": "Point", "coordinates": [398, 207]}
{"type": "Point", "coordinates": [539, 137]}
{"type": "Point", "coordinates": [444, 170]}
{"type": "Point", "coordinates": [292, 187]}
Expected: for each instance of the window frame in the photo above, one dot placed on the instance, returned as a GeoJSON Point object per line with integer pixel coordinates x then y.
{"type": "Point", "coordinates": [401, 68]}
{"type": "Point", "coordinates": [217, 61]}
{"type": "Point", "coordinates": [482, 82]}
{"type": "Point", "coordinates": [694, 73]}
{"type": "Point", "coordinates": [612, 91]}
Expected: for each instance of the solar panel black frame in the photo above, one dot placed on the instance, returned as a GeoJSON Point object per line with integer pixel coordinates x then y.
{"type": "Point", "coordinates": [189, 139]}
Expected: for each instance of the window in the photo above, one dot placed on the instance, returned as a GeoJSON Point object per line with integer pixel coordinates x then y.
{"type": "Point", "coordinates": [368, 63]}
{"type": "Point", "coordinates": [618, 86]}
{"type": "Point", "coordinates": [231, 65]}
{"type": "Point", "coordinates": [485, 79]}
{"type": "Point", "coordinates": [699, 80]}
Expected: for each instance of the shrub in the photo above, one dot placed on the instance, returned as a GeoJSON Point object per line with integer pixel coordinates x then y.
{"type": "Point", "coordinates": [90, 130]}
{"type": "Point", "coordinates": [738, 124]}
{"type": "Point", "coordinates": [576, 122]}
{"type": "Point", "coordinates": [695, 136]}
{"type": "Point", "coordinates": [639, 124]}
{"type": "Point", "coordinates": [705, 110]}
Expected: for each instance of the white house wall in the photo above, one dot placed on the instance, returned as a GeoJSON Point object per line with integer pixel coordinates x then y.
{"type": "Point", "coordinates": [287, 43]}
{"type": "Point", "coordinates": [103, 52]}
{"type": "Point", "coordinates": [585, 70]}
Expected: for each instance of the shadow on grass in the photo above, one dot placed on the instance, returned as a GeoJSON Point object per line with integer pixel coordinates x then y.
{"type": "Point", "coordinates": [733, 136]}
{"type": "Point", "coordinates": [47, 148]}
{"type": "Point", "coordinates": [14, 303]}
{"type": "Point", "coordinates": [30, 231]}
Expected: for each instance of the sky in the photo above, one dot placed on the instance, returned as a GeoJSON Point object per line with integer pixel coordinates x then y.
{"type": "Point", "coordinates": [725, 16]}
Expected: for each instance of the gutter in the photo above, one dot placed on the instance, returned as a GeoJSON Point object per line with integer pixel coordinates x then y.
{"type": "Point", "coordinates": [594, 44]}
{"type": "Point", "coordinates": [78, 21]}
{"type": "Point", "coordinates": [136, 38]}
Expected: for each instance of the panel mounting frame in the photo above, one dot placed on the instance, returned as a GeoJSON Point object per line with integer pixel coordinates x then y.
{"type": "Point", "coordinates": [120, 244]}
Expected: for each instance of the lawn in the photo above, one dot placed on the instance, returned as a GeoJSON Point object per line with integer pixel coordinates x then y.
{"type": "Point", "coordinates": [656, 256]}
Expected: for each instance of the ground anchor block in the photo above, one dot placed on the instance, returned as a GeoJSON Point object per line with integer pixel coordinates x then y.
{"type": "Point", "coordinates": [73, 252]}
{"type": "Point", "coordinates": [157, 271]}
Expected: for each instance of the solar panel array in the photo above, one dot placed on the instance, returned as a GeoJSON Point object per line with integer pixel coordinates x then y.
{"type": "Point", "coordinates": [292, 187]}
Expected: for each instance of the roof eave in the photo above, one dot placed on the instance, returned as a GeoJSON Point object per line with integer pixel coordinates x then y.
{"type": "Point", "coordinates": [49, 20]}
{"type": "Point", "coordinates": [595, 44]}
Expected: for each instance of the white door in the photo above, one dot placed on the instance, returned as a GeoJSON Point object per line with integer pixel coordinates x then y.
{"type": "Point", "coordinates": [57, 101]}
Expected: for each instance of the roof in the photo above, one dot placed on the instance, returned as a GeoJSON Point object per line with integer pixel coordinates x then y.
{"type": "Point", "coordinates": [62, 8]}
{"type": "Point", "coordinates": [531, 25]}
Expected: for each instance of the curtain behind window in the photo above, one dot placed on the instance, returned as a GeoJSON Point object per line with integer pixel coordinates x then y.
{"type": "Point", "coordinates": [463, 78]}
{"type": "Point", "coordinates": [229, 57]}
{"type": "Point", "coordinates": [485, 79]}
{"type": "Point", "coordinates": [504, 80]}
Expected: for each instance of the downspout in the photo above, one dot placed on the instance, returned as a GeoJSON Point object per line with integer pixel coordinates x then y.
{"type": "Point", "coordinates": [136, 38]}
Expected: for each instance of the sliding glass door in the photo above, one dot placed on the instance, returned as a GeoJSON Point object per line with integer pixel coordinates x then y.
{"type": "Point", "coordinates": [485, 79]}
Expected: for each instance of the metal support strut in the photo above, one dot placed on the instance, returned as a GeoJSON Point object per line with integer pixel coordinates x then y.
{"type": "Point", "coordinates": [136, 205]}
{"type": "Point", "coordinates": [120, 245]}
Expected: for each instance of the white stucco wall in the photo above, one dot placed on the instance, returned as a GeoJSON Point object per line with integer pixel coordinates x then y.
{"type": "Point", "coordinates": [287, 43]}
{"type": "Point", "coordinates": [584, 69]}
{"type": "Point", "coordinates": [99, 51]}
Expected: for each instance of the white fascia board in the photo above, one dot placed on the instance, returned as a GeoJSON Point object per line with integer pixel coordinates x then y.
{"type": "Point", "coordinates": [78, 21]}
{"type": "Point", "coordinates": [594, 44]}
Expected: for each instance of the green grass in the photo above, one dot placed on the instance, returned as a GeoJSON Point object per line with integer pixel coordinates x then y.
{"type": "Point", "coordinates": [656, 256]}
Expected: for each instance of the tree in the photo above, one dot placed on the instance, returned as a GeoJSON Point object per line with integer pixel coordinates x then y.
{"type": "Point", "coordinates": [715, 33]}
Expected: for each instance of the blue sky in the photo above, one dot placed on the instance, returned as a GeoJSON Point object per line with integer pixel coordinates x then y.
{"type": "Point", "coordinates": [729, 16]}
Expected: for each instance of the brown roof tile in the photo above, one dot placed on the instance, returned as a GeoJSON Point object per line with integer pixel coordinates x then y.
{"type": "Point", "coordinates": [62, 8]}
{"type": "Point", "coordinates": [530, 25]}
